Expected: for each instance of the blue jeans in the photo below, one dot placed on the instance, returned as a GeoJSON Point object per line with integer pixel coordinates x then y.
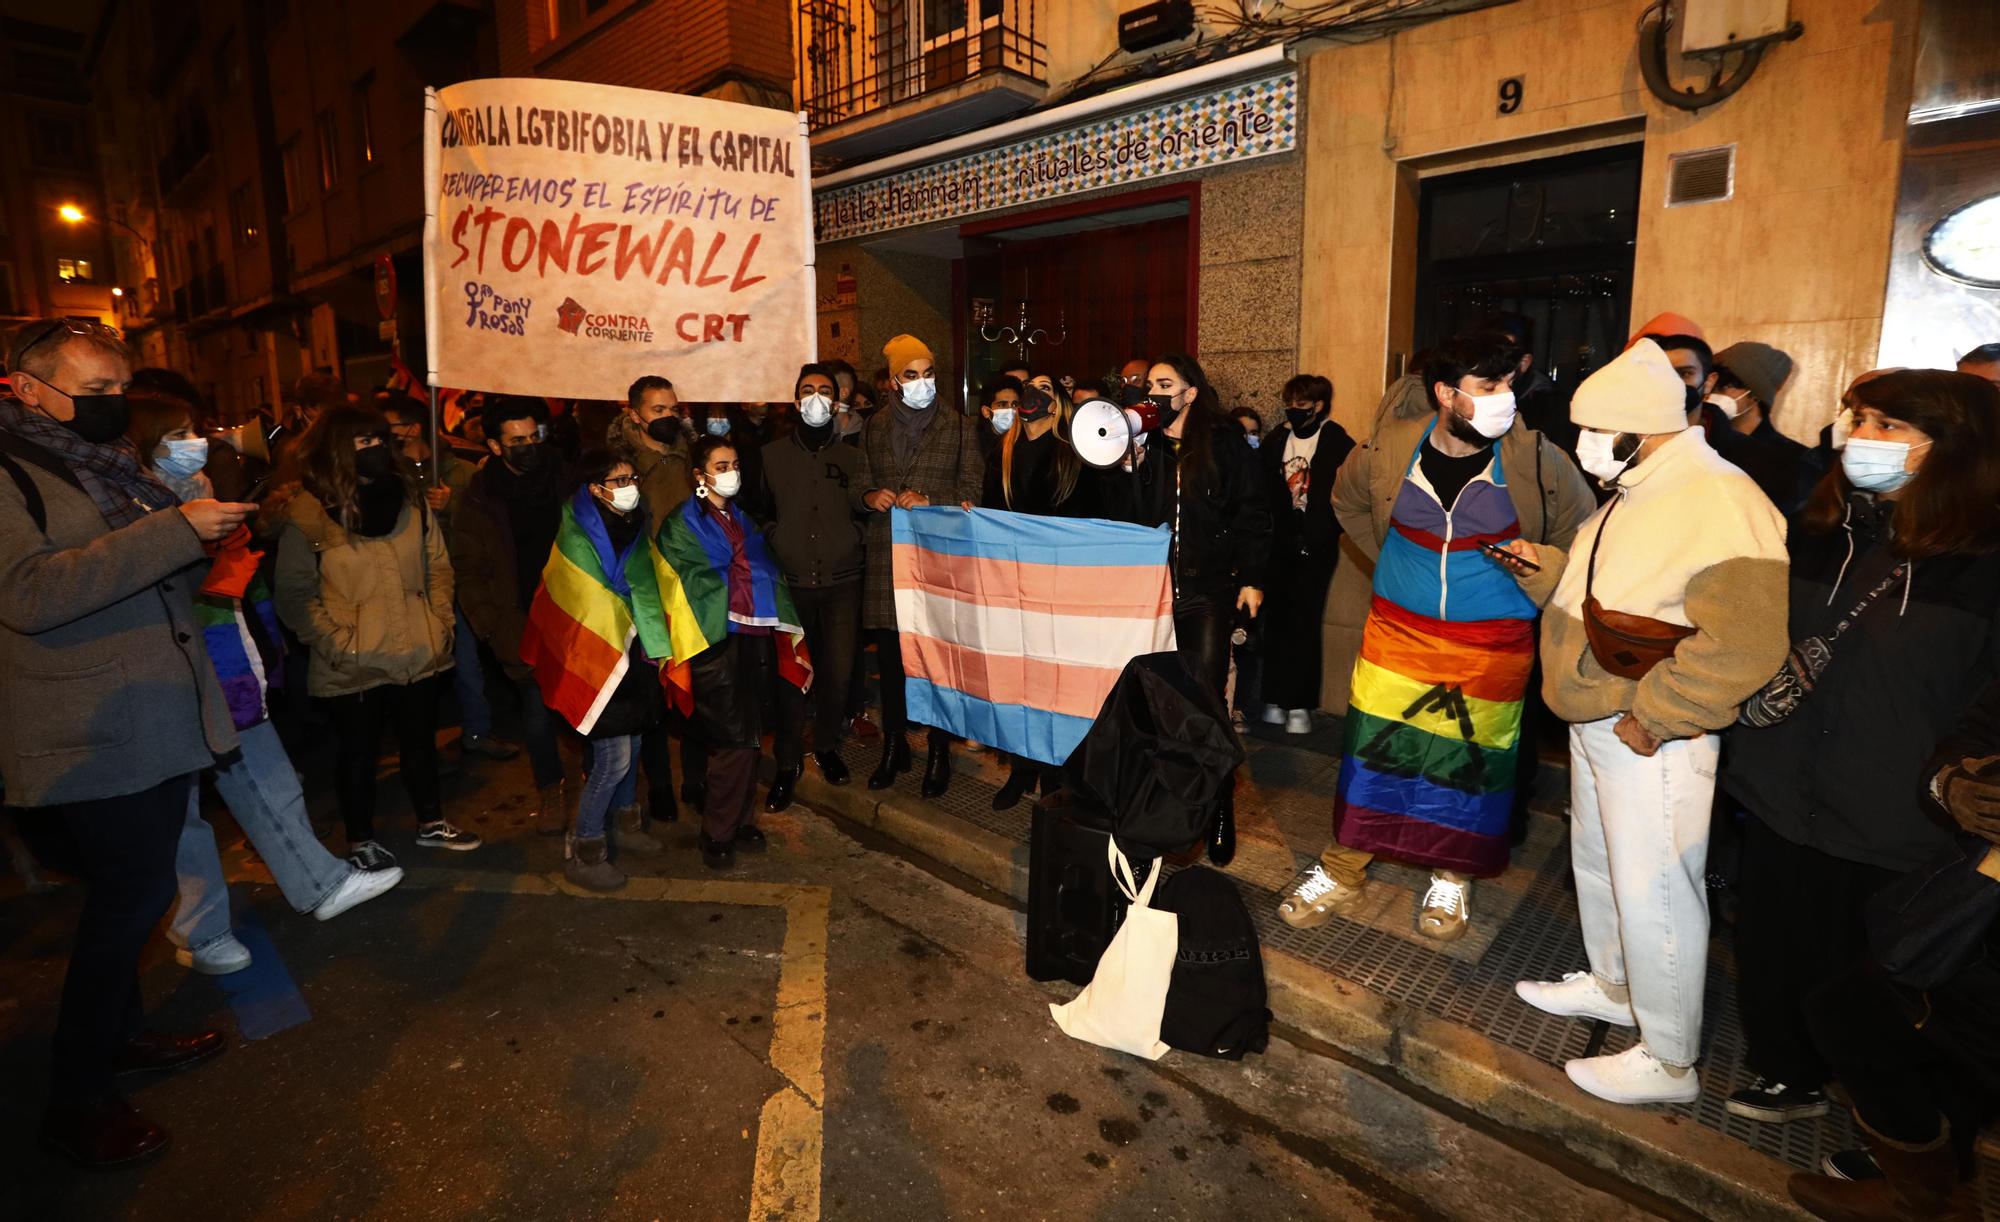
{"type": "Point", "coordinates": [263, 793]}
{"type": "Point", "coordinates": [613, 782]}
{"type": "Point", "coordinates": [538, 735]}
{"type": "Point", "coordinates": [475, 716]}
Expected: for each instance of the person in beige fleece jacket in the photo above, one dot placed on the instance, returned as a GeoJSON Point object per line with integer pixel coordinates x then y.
{"type": "Point", "coordinates": [1688, 540]}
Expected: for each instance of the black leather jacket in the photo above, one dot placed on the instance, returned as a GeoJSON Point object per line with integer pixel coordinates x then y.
{"type": "Point", "coordinates": [1223, 537]}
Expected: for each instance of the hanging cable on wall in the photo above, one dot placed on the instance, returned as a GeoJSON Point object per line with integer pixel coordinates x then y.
{"type": "Point", "coordinates": [1654, 24]}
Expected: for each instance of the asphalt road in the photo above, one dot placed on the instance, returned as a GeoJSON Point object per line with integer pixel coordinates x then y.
{"type": "Point", "coordinates": [831, 1031]}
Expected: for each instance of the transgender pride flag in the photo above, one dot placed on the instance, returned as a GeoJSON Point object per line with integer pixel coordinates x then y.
{"type": "Point", "coordinates": [1015, 627]}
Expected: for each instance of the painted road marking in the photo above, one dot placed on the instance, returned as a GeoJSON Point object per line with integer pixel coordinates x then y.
{"type": "Point", "coordinates": [263, 995]}
{"type": "Point", "coordinates": [791, 1130]}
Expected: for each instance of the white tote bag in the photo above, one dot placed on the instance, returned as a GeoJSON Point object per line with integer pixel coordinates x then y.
{"type": "Point", "coordinates": [1121, 1006]}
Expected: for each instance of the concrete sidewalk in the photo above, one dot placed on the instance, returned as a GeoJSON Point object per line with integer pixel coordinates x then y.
{"type": "Point", "coordinates": [1444, 1017]}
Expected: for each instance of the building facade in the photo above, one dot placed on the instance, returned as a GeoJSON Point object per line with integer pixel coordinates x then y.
{"type": "Point", "coordinates": [275, 155]}
{"type": "Point", "coordinates": [1444, 163]}
{"type": "Point", "coordinates": [50, 265]}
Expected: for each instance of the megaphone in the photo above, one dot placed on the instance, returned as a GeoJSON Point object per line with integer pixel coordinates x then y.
{"type": "Point", "coordinates": [246, 439]}
{"type": "Point", "coordinates": [1105, 433]}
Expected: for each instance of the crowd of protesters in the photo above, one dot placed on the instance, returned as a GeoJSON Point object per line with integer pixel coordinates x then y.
{"type": "Point", "coordinates": [180, 599]}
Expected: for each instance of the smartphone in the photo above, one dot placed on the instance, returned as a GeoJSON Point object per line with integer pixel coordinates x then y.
{"type": "Point", "coordinates": [1502, 554]}
{"type": "Point", "coordinates": [256, 490]}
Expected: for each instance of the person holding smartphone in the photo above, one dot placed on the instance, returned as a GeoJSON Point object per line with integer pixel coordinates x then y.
{"type": "Point", "coordinates": [1433, 726]}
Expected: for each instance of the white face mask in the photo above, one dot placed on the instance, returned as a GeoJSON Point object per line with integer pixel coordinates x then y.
{"type": "Point", "coordinates": [727, 484]}
{"type": "Point", "coordinates": [815, 410]}
{"type": "Point", "coordinates": [182, 456]}
{"type": "Point", "coordinates": [1003, 419]}
{"type": "Point", "coordinates": [1730, 408]}
{"type": "Point", "coordinates": [625, 500]}
{"type": "Point", "coordinates": [1877, 466]}
{"type": "Point", "coordinates": [920, 393]}
{"type": "Point", "coordinates": [1492, 415]}
{"type": "Point", "coordinates": [1594, 453]}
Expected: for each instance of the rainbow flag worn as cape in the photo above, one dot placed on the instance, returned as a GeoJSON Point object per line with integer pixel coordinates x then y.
{"type": "Point", "coordinates": [592, 604]}
{"type": "Point", "coordinates": [695, 554]}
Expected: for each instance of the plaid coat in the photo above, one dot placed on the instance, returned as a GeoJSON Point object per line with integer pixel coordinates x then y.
{"type": "Point", "coordinates": [946, 468]}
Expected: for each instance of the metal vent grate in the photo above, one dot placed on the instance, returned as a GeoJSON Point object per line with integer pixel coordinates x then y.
{"type": "Point", "coordinates": [1704, 176]}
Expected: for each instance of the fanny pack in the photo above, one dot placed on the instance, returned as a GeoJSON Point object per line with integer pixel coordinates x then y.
{"type": "Point", "coordinates": [1624, 644]}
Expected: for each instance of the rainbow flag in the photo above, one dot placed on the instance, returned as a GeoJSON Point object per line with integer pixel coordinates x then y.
{"type": "Point", "coordinates": [1432, 733]}
{"type": "Point", "coordinates": [592, 604]}
{"type": "Point", "coordinates": [695, 554]}
{"type": "Point", "coordinates": [1015, 627]}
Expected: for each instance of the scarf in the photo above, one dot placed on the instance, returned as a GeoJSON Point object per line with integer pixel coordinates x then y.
{"type": "Point", "coordinates": [118, 484]}
{"type": "Point", "coordinates": [907, 435]}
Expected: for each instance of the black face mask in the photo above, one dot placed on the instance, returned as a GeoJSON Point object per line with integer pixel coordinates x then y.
{"type": "Point", "coordinates": [98, 418]}
{"type": "Point", "coordinates": [529, 458]}
{"type": "Point", "coordinates": [374, 463]}
{"type": "Point", "coordinates": [1165, 405]}
{"type": "Point", "coordinates": [666, 430]}
{"type": "Point", "coordinates": [379, 504]}
{"type": "Point", "coordinates": [1298, 417]}
{"type": "Point", "coordinates": [1035, 404]}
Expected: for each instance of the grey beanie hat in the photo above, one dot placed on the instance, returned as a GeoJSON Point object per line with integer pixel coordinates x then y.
{"type": "Point", "coordinates": [1760, 367]}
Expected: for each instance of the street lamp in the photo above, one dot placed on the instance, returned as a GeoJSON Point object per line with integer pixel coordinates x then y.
{"type": "Point", "coordinates": [71, 214]}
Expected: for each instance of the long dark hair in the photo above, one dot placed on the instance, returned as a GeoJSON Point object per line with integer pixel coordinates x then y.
{"type": "Point", "coordinates": [1204, 414]}
{"type": "Point", "coordinates": [1952, 503]}
{"type": "Point", "coordinates": [326, 458]}
{"type": "Point", "coordinates": [1067, 465]}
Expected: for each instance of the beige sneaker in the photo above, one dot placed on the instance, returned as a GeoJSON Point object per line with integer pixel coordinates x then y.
{"type": "Point", "coordinates": [1317, 899]}
{"type": "Point", "coordinates": [1446, 910]}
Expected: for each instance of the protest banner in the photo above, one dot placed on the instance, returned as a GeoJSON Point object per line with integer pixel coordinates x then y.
{"type": "Point", "coordinates": [577, 236]}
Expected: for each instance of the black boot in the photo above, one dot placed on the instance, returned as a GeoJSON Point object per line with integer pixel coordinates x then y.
{"type": "Point", "coordinates": [895, 759]}
{"type": "Point", "coordinates": [1019, 781]}
{"type": "Point", "coordinates": [1222, 836]}
{"type": "Point", "coordinates": [937, 767]}
{"type": "Point", "coordinates": [660, 805]}
{"type": "Point", "coordinates": [832, 767]}
{"type": "Point", "coordinates": [781, 789]}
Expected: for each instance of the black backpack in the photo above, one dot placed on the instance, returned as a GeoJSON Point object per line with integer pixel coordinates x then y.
{"type": "Point", "coordinates": [1216, 999]}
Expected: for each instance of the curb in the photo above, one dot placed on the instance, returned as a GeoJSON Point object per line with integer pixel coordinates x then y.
{"type": "Point", "coordinates": [1703, 1170]}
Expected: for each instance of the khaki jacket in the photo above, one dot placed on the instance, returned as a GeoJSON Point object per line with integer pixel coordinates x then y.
{"type": "Point", "coordinates": [1551, 497]}
{"type": "Point", "coordinates": [372, 611]}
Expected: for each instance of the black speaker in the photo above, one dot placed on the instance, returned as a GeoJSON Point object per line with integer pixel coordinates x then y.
{"type": "Point", "coordinates": [1074, 906]}
{"type": "Point", "coordinates": [1151, 25]}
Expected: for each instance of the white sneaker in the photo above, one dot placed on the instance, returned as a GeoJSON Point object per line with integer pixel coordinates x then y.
{"type": "Point", "coordinates": [1299, 721]}
{"type": "Point", "coordinates": [1317, 899]}
{"type": "Point", "coordinates": [218, 958]}
{"type": "Point", "coordinates": [1273, 715]}
{"type": "Point", "coordinates": [1633, 1076]}
{"type": "Point", "coordinates": [359, 887]}
{"type": "Point", "coordinates": [1446, 911]}
{"type": "Point", "coordinates": [1576, 995]}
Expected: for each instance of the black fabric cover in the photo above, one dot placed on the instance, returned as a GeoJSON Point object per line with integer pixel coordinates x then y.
{"type": "Point", "coordinates": [1159, 757]}
{"type": "Point", "coordinates": [1216, 999]}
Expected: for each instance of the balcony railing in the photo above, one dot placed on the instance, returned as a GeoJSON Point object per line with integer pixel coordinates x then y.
{"type": "Point", "coordinates": [859, 56]}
